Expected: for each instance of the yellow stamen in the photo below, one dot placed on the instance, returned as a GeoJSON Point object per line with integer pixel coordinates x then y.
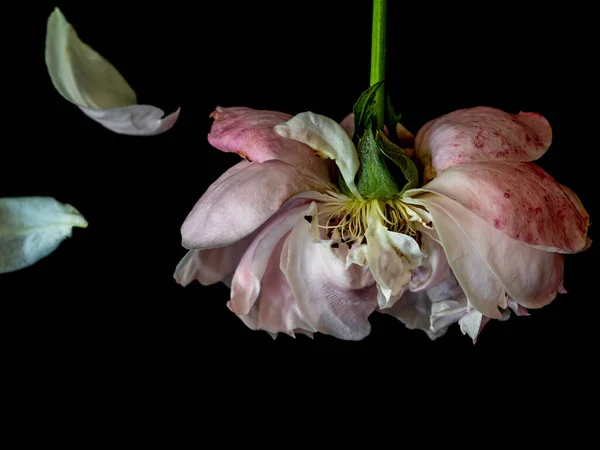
{"type": "Point", "coordinates": [348, 217]}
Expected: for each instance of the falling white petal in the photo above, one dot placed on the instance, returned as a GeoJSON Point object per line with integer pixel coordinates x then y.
{"type": "Point", "coordinates": [33, 227]}
{"type": "Point", "coordinates": [85, 78]}
{"type": "Point", "coordinates": [328, 139]}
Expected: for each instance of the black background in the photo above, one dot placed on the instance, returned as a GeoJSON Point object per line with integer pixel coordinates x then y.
{"type": "Point", "coordinates": [107, 294]}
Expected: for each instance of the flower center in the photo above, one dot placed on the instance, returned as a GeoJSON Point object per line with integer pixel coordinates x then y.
{"type": "Point", "coordinates": [346, 219]}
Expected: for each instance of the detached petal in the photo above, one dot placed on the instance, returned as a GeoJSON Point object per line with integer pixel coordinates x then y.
{"type": "Point", "coordinates": [480, 134]}
{"type": "Point", "coordinates": [33, 227]}
{"type": "Point", "coordinates": [85, 78]}
{"type": "Point", "coordinates": [328, 139]}
{"type": "Point", "coordinates": [391, 257]}
{"type": "Point", "coordinates": [240, 201]}
{"type": "Point", "coordinates": [489, 265]}
{"type": "Point", "coordinates": [519, 199]}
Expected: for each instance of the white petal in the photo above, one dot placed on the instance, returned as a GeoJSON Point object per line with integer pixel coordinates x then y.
{"type": "Point", "coordinates": [32, 228]}
{"type": "Point", "coordinates": [472, 323]}
{"type": "Point", "coordinates": [85, 78]}
{"type": "Point", "coordinates": [328, 139]}
{"type": "Point", "coordinates": [134, 120]}
{"type": "Point", "coordinates": [391, 258]}
{"type": "Point", "coordinates": [434, 267]}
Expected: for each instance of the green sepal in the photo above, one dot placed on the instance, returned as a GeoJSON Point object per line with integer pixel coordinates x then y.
{"type": "Point", "coordinates": [363, 109]}
{"type": "Point", "coordinates": [344, 187]}
{"type": "Point", "coordinates": [403, 162]}
{"type": "Point", "coordinates": [391, 119]}
{"type": "Point", "coordinates": [374, 178]}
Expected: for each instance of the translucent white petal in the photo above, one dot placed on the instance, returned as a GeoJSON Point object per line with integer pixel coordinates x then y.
{"type": "Point", "coordinates": [85, 78]}
{"type": "Point", "coordinates": [32, 228]}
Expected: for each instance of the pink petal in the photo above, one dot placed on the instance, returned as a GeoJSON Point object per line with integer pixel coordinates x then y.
{"type": "Point", "coordinates": [241, 200]}
{"type": "Point", "coordinates": [247, 281]}
{"type": "Point", "coordinates": [489, 265]}
{"type": "Point", "coordinates": [519, 199]}
{"type": "Point", "coordinates": [347, 124]}
{"type": "Point", "coordinates": [480, 134]}
{"type": "Point", "coordinates": [250, 133]}
{"type": "Point", "coordinates": [212, 265]}
{"type": "Point", "coordinates": [134, 120]}
{"type": "Point", "coordinates": [286, 283]}
{"type": "Point", "coordinates": [275, 309]}
{"type": "Point", "coordinates": [333, 300]}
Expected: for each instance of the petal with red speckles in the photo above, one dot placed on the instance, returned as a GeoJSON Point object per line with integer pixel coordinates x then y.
{"type": "Point", "coordinates": [480, 134]}
{"type": "Point", "coordinates": [489, 265]}
{"type": "Point", "coordinates": [520, 199]}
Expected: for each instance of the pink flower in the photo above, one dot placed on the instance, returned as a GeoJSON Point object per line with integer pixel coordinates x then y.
{"type": "Point", "coordinates": [300, 256]}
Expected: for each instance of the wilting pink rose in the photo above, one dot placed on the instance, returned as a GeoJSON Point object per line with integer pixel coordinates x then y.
{"type": "Point", "coordinates": [300, 256]}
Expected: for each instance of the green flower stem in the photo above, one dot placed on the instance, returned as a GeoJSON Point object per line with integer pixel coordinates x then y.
{"type": "Point", "coordinates": [378, 57]}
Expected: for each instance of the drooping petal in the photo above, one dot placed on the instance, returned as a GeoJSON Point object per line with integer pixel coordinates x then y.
{"type": "Point", "coordinates": [472, 323]}
{"type": "Point", "coordinates": [391, 257]}
{"type": "Point", "coordinates": [480, 134]}
{"type": "Point", "coordinates": [33, 227]}
{"type": "Point", "coordinates": [432, 310]}
{"type": "Point", "coordinates": [250, 133]}
{"type": "Point", "coordinates": [275, 309]}
{"type": "Point", "coordinates": [333, 299]}
{"type": "Point", "coordinates": [328, 139]}
{"type": "Point", "coordinates": [247, 280]}
{"type": "Point", "coordinates": [212, 265]}
{"type": "Point", "coordinates": [242, 199]}
{"type": "Point", "coordinates": [489, 265]}
{"type": "Point", "coordinates": [85, 78]}
{"type": "Point", "coordinates": [519, 199]}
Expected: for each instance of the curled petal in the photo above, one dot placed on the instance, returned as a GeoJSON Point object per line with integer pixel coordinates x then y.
{"type": "Point", "coordinates": [434, 267]}
{"type": "Point", "coordinates": [134, 120]}
{"type": "Point", "coordinates": [334, 300]}
{"type": "Point", "coordinates": [519, 199]}
{"type": "Point", "coordinates": [480, 134]}
{"type": "Point", "coordinates": [247, 282]}
{"type": "Point", "coordinates": [250, 133]}
{"type": "Point", "coordinates": [326, 137]}
{"type": "Point", "coordinates": [212, 265]}
{"type": "Point", "coordinates": [33, 227]}
{"type": "Point", "coordinates": [241, 200]}
{"type": "Point", "coordinates": [391, 257]}
{"type": "Point", "coordinates": [489, 265]}
{"type": "Point", "coordinates": [432, 310]}
{"type": "Point", "coordinates": [85, 78]}
{"type": "Point", "coordinates": [472, 323]}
